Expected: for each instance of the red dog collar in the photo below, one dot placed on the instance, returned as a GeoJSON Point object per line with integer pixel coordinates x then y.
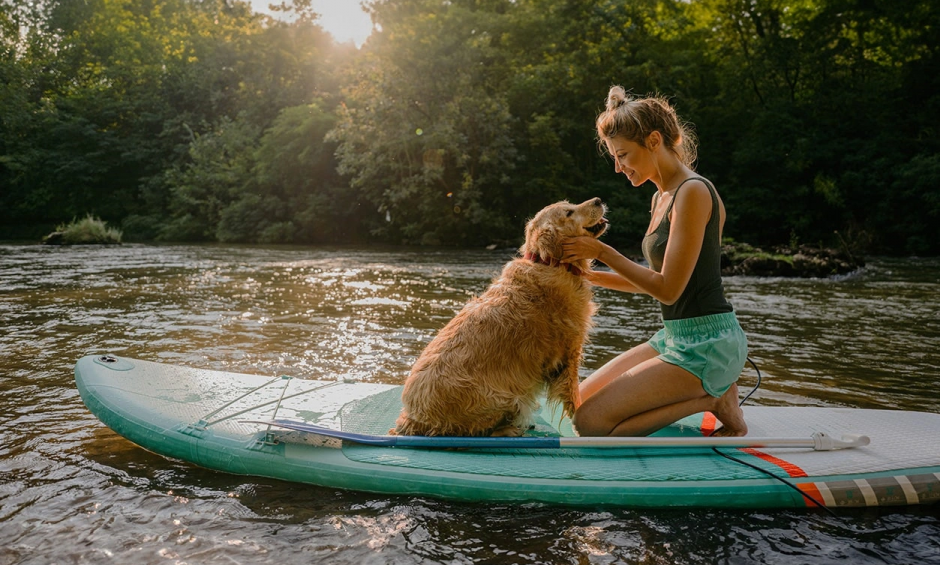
{"type": "Point", "coordinates": [553, 263]}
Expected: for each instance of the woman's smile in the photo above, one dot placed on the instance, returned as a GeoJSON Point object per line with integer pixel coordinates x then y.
{"type": "Point", "coordinates": [622, 151]}
{"type": "Point", "coordinates": [631, 175]}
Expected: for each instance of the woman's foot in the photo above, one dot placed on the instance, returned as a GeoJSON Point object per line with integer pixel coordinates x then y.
{"type": "Point", "coordinates": [730, 415]}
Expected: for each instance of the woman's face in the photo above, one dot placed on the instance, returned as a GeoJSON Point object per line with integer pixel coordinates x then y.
{"type": "Point", "coordinates": [631, 159]}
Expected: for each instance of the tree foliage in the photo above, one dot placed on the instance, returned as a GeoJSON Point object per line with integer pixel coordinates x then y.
{"type": "Point", "coordinates": [200, 120]}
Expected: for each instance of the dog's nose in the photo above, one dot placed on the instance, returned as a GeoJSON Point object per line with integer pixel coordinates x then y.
{"type": "Point", "coordinates": [597, 202]}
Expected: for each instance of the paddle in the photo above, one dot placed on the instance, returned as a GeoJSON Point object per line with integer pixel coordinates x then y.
{"type": "Point", "coordinates": [819, 441]}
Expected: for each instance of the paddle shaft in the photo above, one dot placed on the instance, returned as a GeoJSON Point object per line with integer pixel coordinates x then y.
{"type": "Point", "coordinates": [819, 441]}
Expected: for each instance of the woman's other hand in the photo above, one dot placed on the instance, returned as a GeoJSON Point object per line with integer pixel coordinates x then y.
{"type": "Point", "coordinates": [577, 248]}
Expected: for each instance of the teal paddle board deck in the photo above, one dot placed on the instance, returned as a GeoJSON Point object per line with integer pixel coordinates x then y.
{"type": "Point", "coordinates": [205, 417]}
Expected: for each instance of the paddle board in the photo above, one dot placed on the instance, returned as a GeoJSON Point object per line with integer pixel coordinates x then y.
{"type": "Point", "coordinates": [205, 417]}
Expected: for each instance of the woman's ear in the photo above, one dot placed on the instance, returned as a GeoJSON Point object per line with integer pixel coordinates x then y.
{"type": "Point", "coordinates": [654, 140]}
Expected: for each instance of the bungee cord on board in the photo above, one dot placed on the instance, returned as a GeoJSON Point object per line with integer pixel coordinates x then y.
{"type": "Point", "coordinates": [765, 471]}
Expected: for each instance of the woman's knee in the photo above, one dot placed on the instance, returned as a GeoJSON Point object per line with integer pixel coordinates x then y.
{"type": "Point", "coordinates": [587, 423]}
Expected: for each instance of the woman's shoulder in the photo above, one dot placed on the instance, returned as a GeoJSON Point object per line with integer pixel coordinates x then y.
{"type": "Point", "coordinates": [694, 193]}
{"type": "Point", "coordinates": [695, 188]}
{"type": "Point", "coordinates": [697, 183]}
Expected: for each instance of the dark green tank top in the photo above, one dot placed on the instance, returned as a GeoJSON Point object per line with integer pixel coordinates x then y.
{"type": "Point", "coordinates": [704, 295]}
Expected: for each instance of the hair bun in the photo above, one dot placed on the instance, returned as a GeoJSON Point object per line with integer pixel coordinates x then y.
{"type": "Point", "coordinates": [616, 97]}
{"type": "Point", "coordinates": [634, 118]}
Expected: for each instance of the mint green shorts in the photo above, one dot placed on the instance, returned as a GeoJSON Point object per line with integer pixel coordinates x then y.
{"type": "Point", "coordinates": [713, 348]}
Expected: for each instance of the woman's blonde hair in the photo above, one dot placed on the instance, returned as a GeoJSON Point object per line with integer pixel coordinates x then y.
{"type": "Point", "coordinates": [636, 118]}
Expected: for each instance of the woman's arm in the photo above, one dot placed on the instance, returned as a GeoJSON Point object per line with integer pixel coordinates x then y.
{"type": "Point", "coordinates": [611, 280]}
{"type": "Point", "coordinates": [690, 215]}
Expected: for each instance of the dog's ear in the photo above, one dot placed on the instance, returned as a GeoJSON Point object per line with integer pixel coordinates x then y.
{"type": "Point", "coordinates": [542, 240]}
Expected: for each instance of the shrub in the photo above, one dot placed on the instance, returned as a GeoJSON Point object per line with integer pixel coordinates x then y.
{"type": "Point", "coordinates": [89, 230]}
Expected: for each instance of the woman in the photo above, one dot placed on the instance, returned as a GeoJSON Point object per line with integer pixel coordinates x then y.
{"type": "Point", "coordinates": [693, 363]}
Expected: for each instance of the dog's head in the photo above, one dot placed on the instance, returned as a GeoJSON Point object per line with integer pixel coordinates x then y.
{"type": "Point", "coordinates": [545, 232]}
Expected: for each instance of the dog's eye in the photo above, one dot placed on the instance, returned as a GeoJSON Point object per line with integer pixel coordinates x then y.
{"type": "Point", "coordinates": [569, 213]}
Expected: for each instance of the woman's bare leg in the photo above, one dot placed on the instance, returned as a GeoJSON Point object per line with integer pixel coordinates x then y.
{"type": "Point", "coordinates": [650, 396]}
{"type": "Point", "coordinates": [615, 368]}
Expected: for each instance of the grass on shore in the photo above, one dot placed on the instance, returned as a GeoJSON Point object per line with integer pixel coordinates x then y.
{"type": "Point", "coordinates": [89, 230]}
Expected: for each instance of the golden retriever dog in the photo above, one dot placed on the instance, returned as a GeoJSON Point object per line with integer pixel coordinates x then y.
{"type": "Point", "coordinates": [485, 370]}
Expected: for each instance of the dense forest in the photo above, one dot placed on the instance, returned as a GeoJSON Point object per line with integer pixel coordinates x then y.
{"type": "Point", "coordinates": [200, 120]}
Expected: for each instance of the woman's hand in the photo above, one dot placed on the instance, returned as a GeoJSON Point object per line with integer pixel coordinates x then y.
{"type": "Point", "coordinates": [576, 248]}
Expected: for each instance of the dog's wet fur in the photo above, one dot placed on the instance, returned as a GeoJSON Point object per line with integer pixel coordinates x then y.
{"type": "Point", "coordinates": [485, 370]}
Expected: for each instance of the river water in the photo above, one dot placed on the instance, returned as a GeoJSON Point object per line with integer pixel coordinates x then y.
{"type": "Point", "coordinates": [72, 491]}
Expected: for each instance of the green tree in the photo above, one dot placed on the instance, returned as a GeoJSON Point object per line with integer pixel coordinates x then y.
{"type": "Point", "coordinates": [101, 97]}
{"type": "Point", "coordinates": [822, 103]}
{"type": "Point", "coordinates": [199, 119]}
{"type": "Point", "coordinates": [215, 179]}
{"type": "Point", "coordinates": [425, 135]}
{"type": "Point", "coordinates": [295, 165]}
{"type": "Point", "coordinates": [290, 192]}
{"type": "Point", "coordinates": [254, 74]}
{"type": "Point", "coordinates": [565, 57]}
